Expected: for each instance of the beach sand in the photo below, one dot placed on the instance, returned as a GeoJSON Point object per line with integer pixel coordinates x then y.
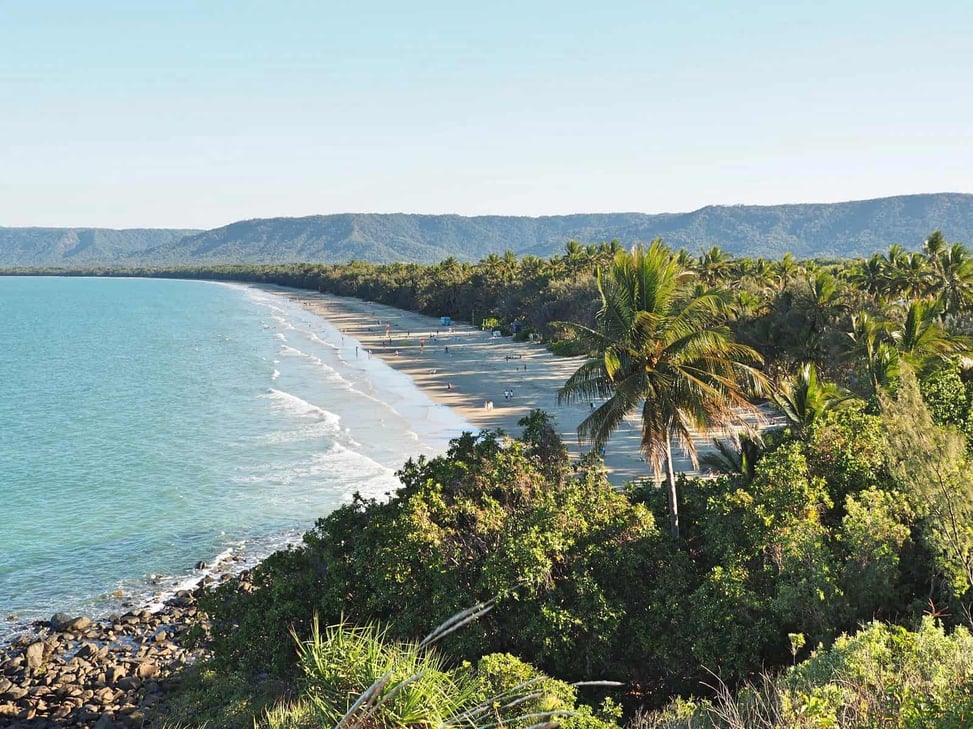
{"type": "Point", "coordinates": [472, 371]}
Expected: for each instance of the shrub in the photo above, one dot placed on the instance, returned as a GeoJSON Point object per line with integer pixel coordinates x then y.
{"type": "Point", "coordinates": [882, 676]}
{"type": "Point", "coordinates": [493, 518]}
{"type": "Point", "coordinates": [567, 348]}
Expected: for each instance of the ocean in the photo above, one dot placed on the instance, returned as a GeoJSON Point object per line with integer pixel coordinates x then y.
{"type": "Point", "coordinates": [147, 425]}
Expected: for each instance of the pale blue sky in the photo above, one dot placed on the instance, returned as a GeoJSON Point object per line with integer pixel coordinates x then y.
{"type": "Point", "coordinates": [195, 114]}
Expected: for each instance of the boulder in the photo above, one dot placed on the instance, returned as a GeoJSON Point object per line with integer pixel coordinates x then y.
{"type": "Point", "coordinates": [129, 683]}
{"type": "Point", "coordinates": [147, 669]}
{"type": "Point", "coordinates": [86, 650]}
{"type": "Point", "coordinates": [105, 722]}
{"type": "Point", "coordinates": [78, 624]}
{"type": "Point", "coordinates": [15, 693]}
{"type": "Point", "coordinates": [35, 655]}
{"type": "Point", "coordinates": [59, 620]}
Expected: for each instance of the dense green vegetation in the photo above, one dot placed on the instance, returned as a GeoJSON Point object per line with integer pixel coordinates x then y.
{"type": "Point", "coordinates": [661, 346]}
{"type": "Point", "coordinates": [859, 510]}
{"type": "Point", "coordinates": [836, 229]}
{"type": "Point", "coordinates": [79, 247]}
{"type": "Point", "coordinates": [882, 676]}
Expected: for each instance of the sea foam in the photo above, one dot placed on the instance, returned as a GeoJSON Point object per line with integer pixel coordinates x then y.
{"type": "Point", "coordinates": [174, 422]}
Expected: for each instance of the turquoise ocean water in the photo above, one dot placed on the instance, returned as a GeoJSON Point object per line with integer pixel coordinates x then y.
{"type": "Point", "coordinates": [146, 425]}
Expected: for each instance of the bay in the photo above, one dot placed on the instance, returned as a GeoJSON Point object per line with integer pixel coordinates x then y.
{"type": "Point", "coordinates": [146, 425]}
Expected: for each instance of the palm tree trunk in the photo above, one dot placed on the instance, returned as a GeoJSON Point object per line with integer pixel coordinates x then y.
{"type": "Point", "coordinates": [673, 496]}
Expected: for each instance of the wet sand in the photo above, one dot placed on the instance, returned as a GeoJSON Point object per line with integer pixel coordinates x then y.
{"type": "Point", "coordinates": [473, 371]}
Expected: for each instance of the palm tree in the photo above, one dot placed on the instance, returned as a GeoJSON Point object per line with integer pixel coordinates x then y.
{"type": "Point", "coordinates": [714, 265]}
{"type": "Point", "coordinates": [660, 345]}
{"type": "Point", "coordinates": [787, 268]}
{"type": "Point", "coordinates": [922, 342]}
{"type": "Point", "coordinates": [737, 456]}
{"type": "Point", "coordinates": [871, 345]}
{"type": "Point", "coordinates": [870, 275]}
{"type": "Point", "coordinates": [952, 275]}
{"type": "Point", "coordinates": [821, 303]}
{"type": "Point", "coordinates": [806, 399]}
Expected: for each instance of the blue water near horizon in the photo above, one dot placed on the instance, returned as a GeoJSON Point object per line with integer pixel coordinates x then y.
{"type": "Point", "coordinates": [148, 424]}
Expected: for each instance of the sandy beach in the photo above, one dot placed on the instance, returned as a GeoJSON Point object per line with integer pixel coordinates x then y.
{"type": "Point", "coordinates": [491, 381]}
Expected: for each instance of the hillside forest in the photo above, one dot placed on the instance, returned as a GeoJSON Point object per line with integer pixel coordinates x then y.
{"type": "Point", "coordinates": [822, 576]}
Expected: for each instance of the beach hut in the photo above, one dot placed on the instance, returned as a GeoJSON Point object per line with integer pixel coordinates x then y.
{"type": "Point", "coordinates": [446, 321]}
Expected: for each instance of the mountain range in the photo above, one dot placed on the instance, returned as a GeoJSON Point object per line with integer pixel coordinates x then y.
{"type": "Point", "coordinates": [844, 229]}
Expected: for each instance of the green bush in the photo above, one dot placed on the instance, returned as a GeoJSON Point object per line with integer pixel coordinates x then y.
{"type": "Point", "coordinates": [493, 518]}
{"type": "Point", "coordinates": [567, 348]}
{"type": "Point", "coordinates": [882, 676]}
{"type": "Point", "coordinates": [359, 677]}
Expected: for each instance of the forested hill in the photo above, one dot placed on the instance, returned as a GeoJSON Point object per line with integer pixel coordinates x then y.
{"type": "Point", "coordinates": [807, 230]}
{"type": "Point", "coordinates": [80, 247]}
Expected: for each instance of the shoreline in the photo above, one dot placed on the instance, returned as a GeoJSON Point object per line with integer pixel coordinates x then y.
{"type": "Point", "coordinates": [72, 671]}
{"type": "Point", "coordinates": [472, 372]}
{"type": "Point", "coordinates": [113, 669]}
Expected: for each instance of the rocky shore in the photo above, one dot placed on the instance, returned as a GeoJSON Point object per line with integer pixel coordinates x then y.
{"type": "Point", "coordinates": [72, 671]}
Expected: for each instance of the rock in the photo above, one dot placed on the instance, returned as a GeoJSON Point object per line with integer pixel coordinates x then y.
{"type": "Point", "coordinates": [147, 669]}
{"type": "Point", "coordinates": [129, 683]}
{"type": "Point", "coordinates": [182, 599]}
{"type": "Point", "coordinates": [105, 722]}
{"type": "Point", "coordinates": [16, 693]}
{"type": "Point", "coordinates": [86, 650]}
{"type": "Point", "coordinates": [78, 624]}
{"type": "Point", "coordinates": [35, 655]}
{"type": "Point", "coordinates": [201, 565]}
{"type": "Point", "coordinates": [4, 685]}
{"type": "Point", "coordinates": [59, 620]}
{"type": "Point", "coordinates": [8, 711]}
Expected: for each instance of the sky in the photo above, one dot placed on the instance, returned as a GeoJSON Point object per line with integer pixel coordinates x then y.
{"type": "Point", "coordinates": [195, 114]}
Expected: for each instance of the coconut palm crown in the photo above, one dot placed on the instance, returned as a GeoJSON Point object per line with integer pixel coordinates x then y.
{"type": "Point", "coordinates": [663, 346]}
